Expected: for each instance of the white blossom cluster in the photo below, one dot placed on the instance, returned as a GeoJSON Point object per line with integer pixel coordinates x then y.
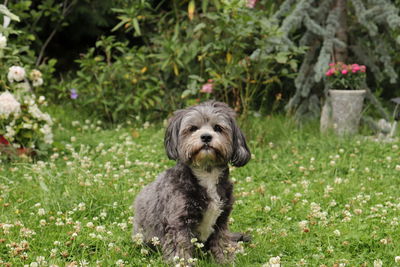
{"type": "Point", "coordinates": [18, 75]}
{"type": "Point", "coordinates": [8, 105]}
{"type": "Point", "coordinates": [16, 119]}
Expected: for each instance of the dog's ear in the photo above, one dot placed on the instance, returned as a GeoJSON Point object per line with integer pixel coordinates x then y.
{"type": "Point", "coordinates": [241, 153]}
{"type": "Point", "coordinates": [171, 137]}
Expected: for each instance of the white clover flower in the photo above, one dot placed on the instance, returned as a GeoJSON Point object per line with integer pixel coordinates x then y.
{"type": "Point", "coordinates": [120, 263]}
{"type": "Point", "coordinates": [16, 74]}
{"type": "Point", "coordinates": [378, 263]}
{"type": "Point", "coordinates": [8, 104]}
{"type": "Point", "coordinates": [303, 224]}
{"type": "Point", "coordinates": [3, 41]}
{"type": "Point", "coordinates": [41, 212]}
{"type": "Point", "coordinates": [138, 239]}
{"type": "Point", "coordinates": [397, 259]}
{"type": "Point", "coordinates": [275, 261]}
{"type": "Point", "coordinates": [155, 241]}
{"type": "Point", "coordinates": [144, 251]}
{"type": "Point", "coordinates": [100, 229]}
{"type": "Point", "coordinates": [267, 208]}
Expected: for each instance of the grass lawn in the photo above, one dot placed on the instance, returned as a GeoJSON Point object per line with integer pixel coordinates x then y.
{"type": "Point", "coordinates": [312, 200]}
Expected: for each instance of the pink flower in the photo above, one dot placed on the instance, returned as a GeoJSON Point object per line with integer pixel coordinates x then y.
{"type": "Point", "coordinates": [207, 87]}
{"type": "Point", "coordinates": [330, 72]}
{"type": "Point", "coordinates": [363, 68]}
{"type": "Point", "coordinates": [344, 72]}
{"type": "Point", "coordinates": [251, 3]}
{"type": "Point", "coordinates": [355, 68]}
{"type": "Point", "coordinates": [331, 64]}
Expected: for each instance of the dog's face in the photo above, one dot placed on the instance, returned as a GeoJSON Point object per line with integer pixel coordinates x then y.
{"type": "Point", "coordinates": [207, 136]}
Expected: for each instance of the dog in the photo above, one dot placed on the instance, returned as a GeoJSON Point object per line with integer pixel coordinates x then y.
{"type": "Point", "coordinates": [194, 198]}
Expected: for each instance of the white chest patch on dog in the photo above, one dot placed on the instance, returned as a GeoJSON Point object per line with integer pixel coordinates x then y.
{"type": "Point", "coordinates": [209, 181]}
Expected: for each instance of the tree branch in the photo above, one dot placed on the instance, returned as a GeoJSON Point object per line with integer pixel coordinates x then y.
{"type": "Point", "coordinates": [67, 8]}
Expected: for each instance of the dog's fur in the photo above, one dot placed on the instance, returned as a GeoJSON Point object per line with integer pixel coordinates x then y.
{"type": "Point", "coordinates": [194, 198]}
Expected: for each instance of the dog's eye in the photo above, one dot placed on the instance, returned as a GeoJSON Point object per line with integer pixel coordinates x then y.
{"type": "Point", "coordinates": [217, 128]}
{"type": "Point", "coordinates": [193, 128]}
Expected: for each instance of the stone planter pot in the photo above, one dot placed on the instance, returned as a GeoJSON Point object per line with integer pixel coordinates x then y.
{"type": "Point", "coordinates": [346, 108]}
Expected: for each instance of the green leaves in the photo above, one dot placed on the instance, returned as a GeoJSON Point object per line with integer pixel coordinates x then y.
{"type": "Point", "coordinates": [4, 10]}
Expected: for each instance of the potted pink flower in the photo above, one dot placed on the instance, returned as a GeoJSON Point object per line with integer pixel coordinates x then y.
{"type": "Point", "coordinates": [342, 111]}
{"type": "Point", "coordinates": [345, 77]}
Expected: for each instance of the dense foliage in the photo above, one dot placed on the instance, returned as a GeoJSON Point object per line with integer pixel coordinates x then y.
{"type": "Point", "coordinates": [22, 122]}
{"type": "Point", "coordinates": [231, 49]}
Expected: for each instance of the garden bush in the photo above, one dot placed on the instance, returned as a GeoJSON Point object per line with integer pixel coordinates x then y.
{"type": "Point", "coordinates": [186, 53]}
{"type": "Point", "coordinates": [22, 123]}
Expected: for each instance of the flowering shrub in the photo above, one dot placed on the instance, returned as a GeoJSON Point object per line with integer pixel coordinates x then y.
{"type": "Point", "coordinates": [22, 123]}
{"type": "Point", "coordinates": [225, 50]}
{"type": "Point", "coordinates": [343, 76]}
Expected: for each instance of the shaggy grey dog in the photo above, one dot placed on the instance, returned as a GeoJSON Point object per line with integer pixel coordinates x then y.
{"type": "Point", "coordinates": [194, 198]}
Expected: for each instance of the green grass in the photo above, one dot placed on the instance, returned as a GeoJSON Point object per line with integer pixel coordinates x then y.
{"type": "Point", "coordinates": [331, 185]}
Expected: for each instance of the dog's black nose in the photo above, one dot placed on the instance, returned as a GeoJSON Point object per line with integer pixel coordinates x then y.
{"type": "Point", "coordinates": [206, 138]}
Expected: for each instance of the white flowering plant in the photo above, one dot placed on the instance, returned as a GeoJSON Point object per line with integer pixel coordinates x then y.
{"type": "Point", "coordinates": [22, 123]}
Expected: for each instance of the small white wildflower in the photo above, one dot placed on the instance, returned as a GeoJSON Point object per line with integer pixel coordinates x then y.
{"type": "Point", "coordinates": [397, 259]}
{"type": "Point", "coordinates": [358, 211]}
{"type": "Point", "coordinates": [155, 241]}
{"type": "Point", "coordinates": [338, 180]}
{"type": "Point", "coordinates": [192, 260]}
{"type": "Point", "coordinates": [138, 238]}
{"type": "Point", "coordinates": [82, 206]}
{"type": "Point", "coordinates": [199, 245]}
{"type": "Point", "coordinates": [274, 198]}
{"type": "Point", "coordinates": [41, 212]}
{"type": "Point", "coordinates": [378, 263]}
{"type": "Point", "coordinates": [336, 232]}
{"type": "Point", "coordinates": [120, 263]}
{"type": "Point", "coordinates": [275, 261]}
{"type": "Point", "coordinates": [100, 229]}
{"type": "Point", "coordinates": [303, 224]}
